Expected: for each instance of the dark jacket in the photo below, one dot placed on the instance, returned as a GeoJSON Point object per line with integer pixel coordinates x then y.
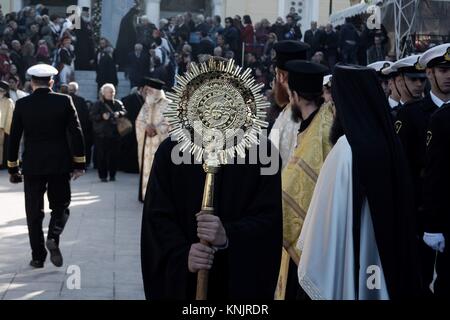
{"type": "Point", "coordinates": [316, 40]}
{"type": "Point", "coordinates": [83, 115]}
{"type": "Point", "coordinates": [106, 128]}
{"type": "Point", "coordinates": [348, 35]}
{"type": "Point", "coordinates": [331, 43]}
{"type": "Point", "coordinates": [412, 124]}
{"type": "Point", "coordinates": [53, 136]}
{"type": "Point", "coordinates": [232, 38]}
{"type": "Point", "coordinates": [437, 174]}
{"type": "Point", "coordinates": [292, 32]}
{"type": "Point", "coordinates": [106, 70]}
{"type": "Point", "coordinates": [65, 56]}
{"type": "Point", "coordinates": [206, 46]}
{"type": "Point", "coordinates": [137, 67]}
{"type": "Point", "coordinates": [375, 54]}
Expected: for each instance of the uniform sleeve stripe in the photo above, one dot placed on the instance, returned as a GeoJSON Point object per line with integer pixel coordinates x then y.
{"type": "Point", "coordinates": [79, 159]}
{"type": "Point", "coordinates": [13, 164]}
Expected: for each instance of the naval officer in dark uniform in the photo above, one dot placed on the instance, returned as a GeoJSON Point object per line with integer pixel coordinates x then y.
{"type": "Point", "coordinates": [437, 169]}
{"type": "Point", "coordinates": [412, 125]}
{"type": "Point", "coordinates": [54, 153]}
{"type": "Point", "coordinates": [379, 66]}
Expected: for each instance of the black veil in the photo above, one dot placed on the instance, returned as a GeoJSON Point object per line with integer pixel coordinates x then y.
{"type": "Point", "coordinates": [380, 174]}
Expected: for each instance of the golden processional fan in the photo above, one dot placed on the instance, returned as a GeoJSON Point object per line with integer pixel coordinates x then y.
{"type": "Point", "coordinates": [217, 111]}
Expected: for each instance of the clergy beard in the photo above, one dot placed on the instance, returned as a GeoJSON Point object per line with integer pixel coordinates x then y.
{"type": "Point", "coordinates": [296, 110]}
{"type": "Point", "coordinates": [337, 130]}
{"type": "Point", "coordinates": [280, 94]}
{"type": "Point", "coordinates": [153, 98]}
{"type": "Point", "coordinates": [296, 113]}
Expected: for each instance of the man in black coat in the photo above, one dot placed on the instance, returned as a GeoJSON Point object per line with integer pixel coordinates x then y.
{"type": "Point", "coordinates": [246, 231]}
{"type": "Point", "coordinates": [54, 154]}
{"type": "Point", "coordinates": [83, 114]}
{"type": "Point", "coordinates": [85, 45]}
{"type": "Point", "coordinates": [127, 37]}
{"type": "Point", "coordinates": [331, 46]}
{"type": "Point", "coordinates": [437, 170]}
{"type": "Point", "coordinates": [232, 36]}
{"type": "Point", "coordinates": [411, 126]}
{"type": "Point", "coordinates": [316, 38]}
{"type": "Point", "coordinates": [291, 30]}
{"type": "Point", "coordinates": [348, 42]}
{"type": "Point", "coordinates": [205, 46]}
{"type": "Point", "coordinates": [138, 65]}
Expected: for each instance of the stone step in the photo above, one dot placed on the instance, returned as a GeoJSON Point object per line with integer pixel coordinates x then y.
{"type": "Point", "coordinates": [91, 75]}
{"type": "Point", "coordinates": [88, 85]}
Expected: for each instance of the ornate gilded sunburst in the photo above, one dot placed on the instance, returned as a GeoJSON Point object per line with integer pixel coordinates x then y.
{"type": "Point", "coordinates": [217, 110]}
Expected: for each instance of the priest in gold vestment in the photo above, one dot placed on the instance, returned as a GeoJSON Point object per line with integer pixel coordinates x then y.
{"type": "Point", "coordinates": [300, 175]}
{"type": "Point", "coordinates": [152, 128]}
{"type": "Point", "coordinates": [6, 115]}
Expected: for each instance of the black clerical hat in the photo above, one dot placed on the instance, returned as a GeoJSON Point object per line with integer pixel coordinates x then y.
{"type": "Point", "coordinates": [288, 50]}
{"type": "Point", "coordinates": [4, 86]}
{"type": "Point", "coordinates": [306, 77]}
{"type": "Point", "coordinates": [154, 83]}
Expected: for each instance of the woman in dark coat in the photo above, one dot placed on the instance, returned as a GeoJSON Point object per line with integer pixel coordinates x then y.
{"type": "Point", "coordinates": [104, 115]}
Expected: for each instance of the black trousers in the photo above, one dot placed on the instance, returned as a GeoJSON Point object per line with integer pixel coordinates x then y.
{"type": "Point", "coordinates": [107, 151]}
{"type": "Point", "coordinates": [59, 197]}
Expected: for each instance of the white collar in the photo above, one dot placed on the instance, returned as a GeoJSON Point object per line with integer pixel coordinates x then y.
{"type": "Point", "coordinates": [392, 102]}
{"type": "Point", "coordinates": [437, 101]}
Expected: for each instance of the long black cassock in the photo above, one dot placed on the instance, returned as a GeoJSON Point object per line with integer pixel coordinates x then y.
{"type": "Point", "coordinates": [249, 205]}
{"type": "Point", "coordinates": [379, 174]}
{"type": "Point", "coordinates": [127, 38]}
{"type": "Point", "coordinates": [129, 147]}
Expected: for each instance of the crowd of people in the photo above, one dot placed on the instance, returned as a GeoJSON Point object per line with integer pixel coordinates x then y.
{"type": "Point", "coordinates": [34, 35]}
{"type": "Point", "coordinates": [185, 38]}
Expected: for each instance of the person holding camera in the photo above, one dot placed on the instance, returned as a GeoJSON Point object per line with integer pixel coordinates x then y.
{"type": "Point", "coordinates": [104, 115]}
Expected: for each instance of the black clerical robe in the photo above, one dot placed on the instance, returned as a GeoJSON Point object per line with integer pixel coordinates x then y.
{"type": "Point", "coordinates": [84, 47]}
{"type": "Point", "coordinates": [249, 205]}
{"type": "Point", "coordinates": [126, 38]}
{"type": "Point", "coordinates": [129, 147]}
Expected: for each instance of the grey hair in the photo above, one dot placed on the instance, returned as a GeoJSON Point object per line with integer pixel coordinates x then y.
{"type": "Point", "coordinates": [201, 18]}
{"type": "Point", "coordinates": [107, 86]}
{"type": "Point", "coordinates": [73, 87]}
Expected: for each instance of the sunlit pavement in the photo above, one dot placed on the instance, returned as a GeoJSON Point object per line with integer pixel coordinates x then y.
{"type": "Point", "coordinates": [100, 244]}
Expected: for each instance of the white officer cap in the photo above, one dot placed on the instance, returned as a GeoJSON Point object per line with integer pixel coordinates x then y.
{"type": "Point", "coordinates": [410, 67]}
{"type": "Point", "coordinates": [379, 66]}
{"type": "Point", "coordinates": [327, 80]}
{"type": "Point", "coordinates": [436, 56]}
{"type": "Point", "coordinates": [42, 71]}
{"type": "Point", "coordinates": [389, 72]}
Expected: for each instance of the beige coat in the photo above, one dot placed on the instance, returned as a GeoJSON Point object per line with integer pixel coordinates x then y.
{"type": "Point", "coordinates": [6, 116]}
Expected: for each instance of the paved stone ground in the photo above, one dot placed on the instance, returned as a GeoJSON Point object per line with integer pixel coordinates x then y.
{"type": "Point", "coordinates": [102, 238]}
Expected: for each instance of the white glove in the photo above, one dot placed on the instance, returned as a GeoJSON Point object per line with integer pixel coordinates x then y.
{"type": "Point", "coordinates": [436, 241]}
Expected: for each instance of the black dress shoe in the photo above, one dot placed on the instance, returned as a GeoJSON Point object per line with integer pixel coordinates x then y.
{"type": "Point", "coordinates": [55, 254]}
{"type": "Point", "coordinates": [112, 179]}
{"type": "Point", "coordinates": [37, 264]}
{"type": "Point", "coordinates": [104, 180]}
